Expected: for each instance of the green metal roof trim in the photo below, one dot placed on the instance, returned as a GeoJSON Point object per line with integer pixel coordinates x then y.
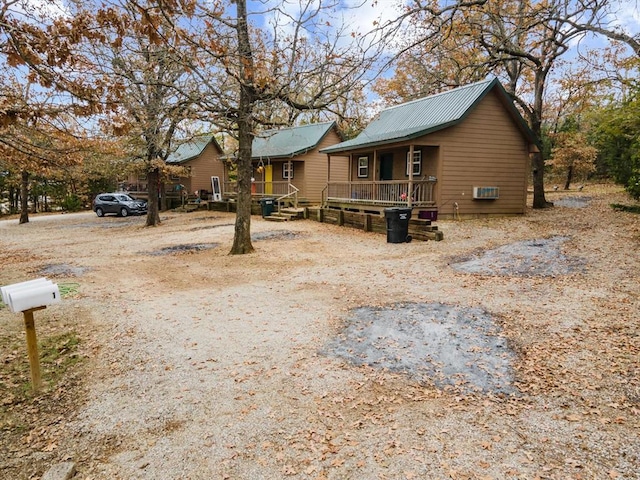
{"type": "Point", "coordinates": [191, 149]}
{"type": "Point", "coordinates": [426, 115]}
{"type": "Point", "coordinates": [289, 142]}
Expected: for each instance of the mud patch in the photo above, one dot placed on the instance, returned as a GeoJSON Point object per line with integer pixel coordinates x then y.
{"type": "Point", "coordinates": [209, 227]}
{"type": "Point", "coordinates": [184, 248]}
{"type": "Point", "coordinates": [62, 270]}
{"type": "Point", "coordinates": [540, 258]}
{"type": "Point", "coordinates": [433, 343]}
{"type": "Point", "coordinates": [573, 202]}
{"type": "Point", "coordinates": [275, 235]}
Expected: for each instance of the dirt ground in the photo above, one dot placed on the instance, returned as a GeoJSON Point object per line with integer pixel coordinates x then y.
{"type": "Point", "coordinates": [509, 350]}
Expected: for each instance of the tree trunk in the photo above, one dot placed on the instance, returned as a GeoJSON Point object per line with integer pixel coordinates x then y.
{"type": "Point", "coordinates": [24, 197]}
{"type": "Point", "coordinates": [153, 188]}
{"type": "Point", "coordinates": [46, 199]}
{"type": "Point", "coordinates": [569, 177]}
{"type": "Point", "coordinates": [242, 236]}
{"type": "Point", "coordinates": [539, 200]}
{"type": "Point", "coordinates": [163, 197]}
{"type": "Point", "coordinates": [13, 200]}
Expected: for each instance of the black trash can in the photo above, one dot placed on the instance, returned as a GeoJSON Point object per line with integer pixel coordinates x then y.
{"type": "Point", "coordinates": [397, 224]}
{"type": "Point", "coordinates": [266, 206]}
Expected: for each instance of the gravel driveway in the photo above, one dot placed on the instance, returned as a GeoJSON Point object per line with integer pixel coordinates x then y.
{"type": "Point", "coordinates": [330, 354]}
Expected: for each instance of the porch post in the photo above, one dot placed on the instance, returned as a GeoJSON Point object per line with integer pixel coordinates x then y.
{"type": "Point", "coordinates": [410, 167]}
{"type": "Point", "coordinates": [375, 192]}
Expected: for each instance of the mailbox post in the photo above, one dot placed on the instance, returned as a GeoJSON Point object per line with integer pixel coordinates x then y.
{"type": "Point", "coordinates": [32, 348]}
{"type": "Point", "coordinates": [28, 297]}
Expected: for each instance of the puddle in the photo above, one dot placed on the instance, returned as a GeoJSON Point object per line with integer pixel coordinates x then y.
{"type": "Point", "coordinates": [184, 248]}
{"type": "Point", "coordinates": [275, 235]}
{"type": "Point", "coordinates": [540, 258]}
{"type": "Point", "coordinates": [432, 343]}
{"type": "Point", "coordinates": [573, 202]}
{"type": "Point", "coordinates": [209, 227]}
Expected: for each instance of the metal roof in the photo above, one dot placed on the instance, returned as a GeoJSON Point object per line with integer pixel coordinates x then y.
{"type": "Point", "coordinates": [420, 117]}
{"type": "Point", "coordinates": [191, 149]}
{"type": "Point", "coordinates": [289, 142]}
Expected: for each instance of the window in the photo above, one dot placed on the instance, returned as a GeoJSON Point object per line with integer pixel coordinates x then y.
{"type": "Point", "coordinates": [417, 162]}
{"type": "Point", "coordinates": [363, 167]}
{"type": "Point", "coordinates": [287, 173]}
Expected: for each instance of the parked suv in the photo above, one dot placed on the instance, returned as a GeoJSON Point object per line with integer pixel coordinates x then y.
{"type": "Point", "coordinates": [118, 203]}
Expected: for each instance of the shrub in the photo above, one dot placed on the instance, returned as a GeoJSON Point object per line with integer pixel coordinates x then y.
{"type": "Point", "coordinates": [71, 203]}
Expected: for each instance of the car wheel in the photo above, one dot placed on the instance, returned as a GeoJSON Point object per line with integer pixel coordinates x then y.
{"type": "Point", "coordinates": [99, 212]}
{"type": "Point", "coordinates": [124, 212]}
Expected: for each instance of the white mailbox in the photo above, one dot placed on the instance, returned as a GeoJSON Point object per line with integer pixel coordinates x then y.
{"type": "Point", "coordinates": [23, 296]}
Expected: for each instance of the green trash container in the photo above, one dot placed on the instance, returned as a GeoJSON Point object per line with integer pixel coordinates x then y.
{"type": "Point", "coordinates": [397, 224]}
{"type": "Point", "coordinates": [266, 206]}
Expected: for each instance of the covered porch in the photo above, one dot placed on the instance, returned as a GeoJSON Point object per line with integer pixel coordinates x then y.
{"type": "Point", "coordinates": [392, 176]}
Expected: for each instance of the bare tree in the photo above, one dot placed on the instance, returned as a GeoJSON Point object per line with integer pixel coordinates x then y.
{"type": "Point", "coordinates": [293, 57]}
{"type": "Point", "coordinates": [521, 42]}
{"type": "Point", "coordinates": [604, 19]}
{"type": "Point", "coordinates": [139, 59]}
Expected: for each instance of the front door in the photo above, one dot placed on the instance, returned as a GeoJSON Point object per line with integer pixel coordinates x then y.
{"type": "Point", "coordinates": [386, 166]}
{"type": "Point", "coordinates": [268, 179]}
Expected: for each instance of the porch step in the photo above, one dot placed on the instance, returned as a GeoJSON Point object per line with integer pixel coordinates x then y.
{"type": "Point", "coordinates": [277, 218]}
{"type": "Point", "coordinates": [295, 213]}
{"type": "Point", "coordinates": [285, 214]}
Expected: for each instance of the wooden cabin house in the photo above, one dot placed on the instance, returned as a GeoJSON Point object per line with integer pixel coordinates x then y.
{"type": "Point", "coordinates": [201, 157]}
{"type": "Point", "coordinates": [460, 153]}
{"type": "Point", "coordinates": [287, 163]}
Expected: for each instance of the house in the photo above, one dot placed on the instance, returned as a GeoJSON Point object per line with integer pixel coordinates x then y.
{"type": "Point", "coordinates": [201, 156]}
{"type": "Point", "coordinates": [464, 152]}
{"type": "Point", "coordinates": [287, 162]}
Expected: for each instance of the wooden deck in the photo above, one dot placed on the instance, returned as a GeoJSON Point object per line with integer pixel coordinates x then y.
{"type": "Point", "coordinates": [375, 196]}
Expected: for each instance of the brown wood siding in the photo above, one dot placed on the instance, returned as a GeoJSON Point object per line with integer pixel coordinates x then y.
{"type": "Point", "coordinates": [339, 169]}
{"type": "Point", "coordinates": [430, 158]}
{"type": "Point", "coordinates": [205, 166]}
{"type": "Point", "coordinates": [316, 169]}
{"type": "Point", "coordinates": [310, 171]}
{"type": "Point", "coordinates": [486, 149]}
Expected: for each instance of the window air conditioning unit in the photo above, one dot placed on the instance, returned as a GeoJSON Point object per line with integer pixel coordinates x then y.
{"type": "Point", "coordinates": [486, 193]}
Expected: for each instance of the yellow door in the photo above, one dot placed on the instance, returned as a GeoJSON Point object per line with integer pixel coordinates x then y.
{"type": "Point", "coordinates": [268, 178]}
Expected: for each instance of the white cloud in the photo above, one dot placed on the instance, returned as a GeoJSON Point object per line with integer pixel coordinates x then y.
{"type": "Point", "coordinates": [627, 15]}
{"type": "Point", "coordinates": [344, 17]}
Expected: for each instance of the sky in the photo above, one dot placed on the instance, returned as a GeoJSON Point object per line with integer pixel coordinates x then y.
{"type": "Point", "coordinates": [361, 15]}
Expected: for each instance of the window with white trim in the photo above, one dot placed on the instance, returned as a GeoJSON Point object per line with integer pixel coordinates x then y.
{"type": "Point", "coordinates": [287, 173]}
{"type": "Point", "coordinates": [363, 167]}
{"type": "Point", "coordinates": [417, 162]}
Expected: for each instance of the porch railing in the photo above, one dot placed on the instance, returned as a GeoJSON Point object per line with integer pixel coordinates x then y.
{"type": "Point", "coordinates": [292, 193]}
{"type": "Point", "coordinates": [391, 192]}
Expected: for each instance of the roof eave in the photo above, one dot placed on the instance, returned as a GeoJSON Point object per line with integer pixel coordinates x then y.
{"type": "Point", "coordinates": [390, 141]}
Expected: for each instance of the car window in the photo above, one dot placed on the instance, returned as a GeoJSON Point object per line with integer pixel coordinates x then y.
{"type": "Point", "coordinates": [106, 198]}
{"type": "Point", "coordinates": [125, 198]}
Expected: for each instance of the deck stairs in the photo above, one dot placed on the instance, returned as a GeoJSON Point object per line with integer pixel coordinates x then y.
{"type": "Point", "coordinates": [286, 214]}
